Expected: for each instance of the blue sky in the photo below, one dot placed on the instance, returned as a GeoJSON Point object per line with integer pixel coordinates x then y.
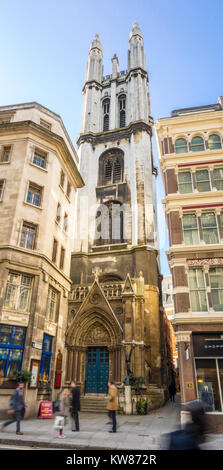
{"type": "Point", "coordinates": [45, 44]}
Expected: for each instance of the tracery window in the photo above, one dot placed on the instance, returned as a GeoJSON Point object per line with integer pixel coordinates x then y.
{"type": "Point", "coordinates": [111, 167]}
{"type": "Point", "coordinates": [106, 109]}
{"type": "Point", "coordinates": [122, 103]}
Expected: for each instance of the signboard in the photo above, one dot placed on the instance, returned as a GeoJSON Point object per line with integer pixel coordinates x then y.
{"type": "Point", "coordinates": [34, 369]}
{"type": "Point", "coordinates": [36, 345]}
{"type": "Point", "coordinates": [46, 409]}
{"type": "Point", "coordinates": [189, 385]}
{"type": "Point", "coordinates": [208, 345]}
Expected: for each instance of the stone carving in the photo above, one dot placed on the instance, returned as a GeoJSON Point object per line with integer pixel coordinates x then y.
{"type": "Point", "coordinates": [205, 262]}
{"type": "Point", "coordinates": [97, 335]}
{"type": "Point", "coordinates": [95, 299]}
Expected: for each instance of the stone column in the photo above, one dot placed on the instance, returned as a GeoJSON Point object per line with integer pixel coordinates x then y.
{"type": "Point", "coordinates": [186, 367]}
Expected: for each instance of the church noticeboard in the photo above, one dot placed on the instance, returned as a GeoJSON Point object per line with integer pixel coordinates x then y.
{"type": "Point", "coordinates": [34, 369]}
{"type": "Point", "coordinates": [46, 409]}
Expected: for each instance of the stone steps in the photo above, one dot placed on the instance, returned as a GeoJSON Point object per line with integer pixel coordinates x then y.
{"type": "Point", "coordinates": [93, 404]}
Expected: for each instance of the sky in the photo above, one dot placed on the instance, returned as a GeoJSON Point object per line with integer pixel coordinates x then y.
{"type": "Point", "coordinates": [44, 48]}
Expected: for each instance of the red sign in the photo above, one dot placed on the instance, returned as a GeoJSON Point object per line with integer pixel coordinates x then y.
{"type": "Point", "coordinates": [46, 409]}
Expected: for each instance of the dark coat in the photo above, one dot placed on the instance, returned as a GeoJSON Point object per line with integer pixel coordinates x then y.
{"type": "Point", "coordinates": [75, 399]}
{"type": "Point", "coordinates": [17, 401]}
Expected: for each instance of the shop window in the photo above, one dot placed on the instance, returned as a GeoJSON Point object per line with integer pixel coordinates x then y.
{"type": "Point", "coordinates": [190, 229]}
{"type": "Point", "coordinates": [12, 341]}
{"type": "Point", "coordinates": [210, 229]}
{"type": "Point", "coordinates": [214, 142]}
{"type": "Point", "coordinates": [46, 357]}
{"type": "Point", "coordinates": [203, 180]}
{"type": "Point", "coordinates": [208, 384]}
{"type": "Point", "coordinates": [18, 292]}
{"type": "Point", "coordinates": [216, 281]}
{"type": "Point", "coordinates": [181, 146]}
{"type": "Point", "coordinates": [197, 289]}
{"type": "Point", "coordinates": [185, 182]}
{"type": "Point", "coordinates": [218, 178]}
{"type": "Point", "coordinates": [197, 144]}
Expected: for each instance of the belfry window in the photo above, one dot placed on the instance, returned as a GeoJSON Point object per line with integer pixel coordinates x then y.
{"type": "Point", "coordinates": [111, 167]}
{"type": "Point", "coordinates": [106, 109]}
{"type": "Point", "coordinates": [122, 101]}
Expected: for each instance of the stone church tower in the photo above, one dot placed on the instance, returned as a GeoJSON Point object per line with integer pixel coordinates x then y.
{"type": "Point", "coordinates": [115, 323]}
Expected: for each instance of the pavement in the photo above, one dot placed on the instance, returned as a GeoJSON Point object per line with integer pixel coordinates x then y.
{"type": "Point", "coordinates": [133, 432]}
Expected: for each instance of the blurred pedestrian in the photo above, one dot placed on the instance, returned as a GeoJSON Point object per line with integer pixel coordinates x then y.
{"type": "Point", "coordinates": [193, 433]}
{"type": "Point", "coordinates": [172, 391]}
{"type": "Point", "coordinates": [112, 405]}
{"type": "Point", "coordinates": [65, 404]}
{"type": "Point", "coordinates": [75, 406]}
{"type": "Point", "coordinates": [17, 408]}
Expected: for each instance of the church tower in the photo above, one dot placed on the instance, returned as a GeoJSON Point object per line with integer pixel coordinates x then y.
{"type": "Point", "coordinates": [115, 322]}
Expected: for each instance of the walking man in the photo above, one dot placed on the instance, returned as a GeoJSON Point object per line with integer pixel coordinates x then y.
{"type": "Point", "coordinates": [18, 407]}
{"type": "Point", "coordinates": [172, 391]}
{"type": "Point", "coordinates": [112, 405]}
{"type": "Point", "coordinates": [75, 406]}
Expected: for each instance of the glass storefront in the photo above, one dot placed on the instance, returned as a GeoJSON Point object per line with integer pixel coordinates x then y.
{"type": "Point", "coordinates": [208, 353]}
{"type": "Point", "coordinates": [12, 341]}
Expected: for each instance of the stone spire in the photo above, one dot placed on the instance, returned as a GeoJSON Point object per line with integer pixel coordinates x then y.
{"type": "Point", "coordinates": [94, 66]}
{"type": "Point", "coordinates": [136, 56]}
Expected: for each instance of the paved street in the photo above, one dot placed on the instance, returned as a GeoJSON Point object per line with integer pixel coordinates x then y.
{"type": "Point", "coordinates": [134, 432]}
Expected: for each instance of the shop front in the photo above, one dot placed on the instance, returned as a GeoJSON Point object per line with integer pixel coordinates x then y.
{"type": "Point", "coordinates": [208, 363]}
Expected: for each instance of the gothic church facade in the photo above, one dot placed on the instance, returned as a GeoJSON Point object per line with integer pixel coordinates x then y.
{"type": "Point", "coordinates": [114, 313]}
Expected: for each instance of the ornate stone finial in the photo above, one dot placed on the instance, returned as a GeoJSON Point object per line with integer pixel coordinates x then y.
{"type": "Point", "coordinates": [135, 24]}
{"type": "Point", "coordinates": [96, 37]}
{"type": "Point", "coordinates": [96, 271]}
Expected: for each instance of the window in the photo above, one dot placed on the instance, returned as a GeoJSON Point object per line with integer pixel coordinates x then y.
{"type": "Point", "coordinates": [113, 170]}
{"type": "Point", "coordinates": [110, 224]}
{"type": "Point", "coordinates": [209, 226]}
{"type": "Point", "coordinates": [28, 236]}
{"type": "Point", "coordinates": [58, 216]}
{"type": "Point", "coordinates": [203, 181]}
{"type": "Point", "coordinates": [39, 159]}
{"type": "Point", "coordinates": [185, 182]}
{"type": "Point", "coordinates": [51, 305]}
{"type": "Point", "coordinates": [12, 341]}
{"type": "Point", "coordinates": [54, 254]}
{"type": "Point", "coordinates": [181, 146]}
{"type": "Point", "coordinates": [62, 256]}
{"type": "Point", "coordinates": [18, 292]}
{"type": "Point", "coordinates": [46, 357]}
{"type": "Point", "coordinates": [216, 281]}
{"type": "Point", "coordinates": [197, 144]}
{"type": "Point", "coordinates": [2, 183]}
{"type": "Point", "coordinates": [65, 222]}
{"type": "Point", "coordinates": [106, 108]}
{"type": "Point", "coordinates": [190, 229]}
{"type": "Point", "coordinates": [197, 288]}
{"type": "Point", "coordinates": [45, 124]}
{"type": "Point", "coordinates": [62, 178]}
{"type": "Point", "coordinates": [214, 142]}
{"type": "Point", "coordinates": [221, 217]}
{"type": "Point", "coordinates": [4, 120]}
{"type": "Point", "coordinates": [5, 156]}
{"type": "Point", "coordinates": [34, 195]}
{"type": "Point", "coordinates": [218, 178]}
{"type": "Point", "coordinates": [68, 189]}
{"type": "Point", "coordinates": [122, 100]}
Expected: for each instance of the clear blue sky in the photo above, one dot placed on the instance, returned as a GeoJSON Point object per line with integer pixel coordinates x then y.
{"type": "Point", "coordinates": [45, 44]}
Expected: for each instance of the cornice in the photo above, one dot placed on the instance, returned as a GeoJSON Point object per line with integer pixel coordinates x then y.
{"type": "Point", "coordinates": [25, 126]}
{"type": "Point", "coordinates": [116, 134]}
